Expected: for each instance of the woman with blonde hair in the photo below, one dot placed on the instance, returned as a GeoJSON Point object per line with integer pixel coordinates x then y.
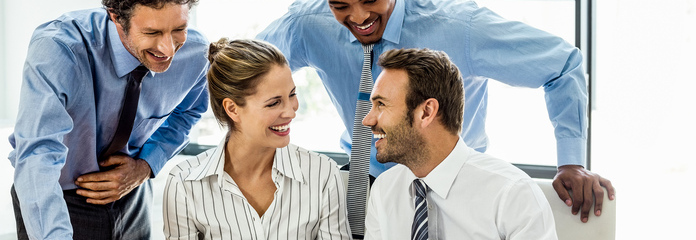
{"type": "Point", "coordinates": [254, 184]}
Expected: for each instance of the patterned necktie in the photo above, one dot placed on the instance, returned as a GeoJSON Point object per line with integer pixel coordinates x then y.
{"type": "Point", "coordinates": [419, 229]}
{"type": "Point", "coordinates": [360, 151]}
{"type": "Point", "coordinates": [128, 110]}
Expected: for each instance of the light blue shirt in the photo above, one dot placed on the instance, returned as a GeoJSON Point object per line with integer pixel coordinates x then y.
{"type": "Point", "coordinates": [482, 44]}
{"type": "Point", "coordinates": [73, 85]}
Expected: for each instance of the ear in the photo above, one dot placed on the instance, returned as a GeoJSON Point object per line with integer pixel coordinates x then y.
{"type": "Point", "coordinates": [427, 112]}
{"type": "Point", "coordinates": [119, 27]}
{"type": "Point", "coordinates": [113, 17]}
{"type": "Point", "coordinates": [231, 109]}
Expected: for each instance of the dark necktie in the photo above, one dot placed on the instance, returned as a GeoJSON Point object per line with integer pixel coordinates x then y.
{"type": "Point", "coordinates": [358, 179]}
{"type": "Point", "coordinates": [128, 111]}
{"type": "Point", "coordinates": [419, 229]}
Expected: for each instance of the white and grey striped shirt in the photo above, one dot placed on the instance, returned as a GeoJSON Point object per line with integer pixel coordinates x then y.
{"type": "Point", "coordinates": [201, 201]}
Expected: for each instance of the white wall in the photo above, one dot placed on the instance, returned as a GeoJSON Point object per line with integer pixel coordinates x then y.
{"type": "Point", "coordinates": [4, 111]}
{"type": "Point", "coordinates": [644, 126]}
{"type": "Point", "coordinates": [19, 19]}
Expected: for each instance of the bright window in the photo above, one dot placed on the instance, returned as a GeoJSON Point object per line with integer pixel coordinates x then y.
{"type": "Point", "coordinates": [316, 114]}
{"type": "Point", "coordinates": [529, 139]}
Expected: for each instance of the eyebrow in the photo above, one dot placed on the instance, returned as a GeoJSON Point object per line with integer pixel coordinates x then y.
{"type": "Point", "coordinates": [377, 97]}
{"type": "Point", "coordinates": [149, 29]}
{"type": "Point", "coordinates": [337, 2]}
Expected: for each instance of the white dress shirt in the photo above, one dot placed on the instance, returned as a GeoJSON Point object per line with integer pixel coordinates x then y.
{"type": "Point", "coordinates": [201, 201]}
{"type": "Point", "coordinates": [470, 195]}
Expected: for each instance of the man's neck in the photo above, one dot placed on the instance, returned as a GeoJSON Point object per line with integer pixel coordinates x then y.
{"type": "Point", "coordinates": [439, 147]}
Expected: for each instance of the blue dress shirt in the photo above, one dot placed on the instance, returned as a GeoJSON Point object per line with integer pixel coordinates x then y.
{"type": "Point", "coordinates": [73, 83]}
{"type": "Point", "coordinates": [482, 44]}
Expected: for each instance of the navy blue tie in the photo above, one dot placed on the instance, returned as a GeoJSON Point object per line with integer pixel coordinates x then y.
{"type": "Point", "coordinates": [419, 229]}
{"type": "Point", "coordinates": [128, 111]}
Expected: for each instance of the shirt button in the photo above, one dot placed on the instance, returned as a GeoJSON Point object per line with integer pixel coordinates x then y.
{"type": "Point", "coordinates": [430, 206]}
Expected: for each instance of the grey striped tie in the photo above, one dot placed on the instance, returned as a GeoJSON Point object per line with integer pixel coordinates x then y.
{"type": "Point", "coordinates": [360, 151]}
{"type": "Point", "coordinates": [419, 229]}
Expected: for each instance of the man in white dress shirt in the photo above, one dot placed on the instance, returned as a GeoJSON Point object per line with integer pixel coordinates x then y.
{"type": "Point", "coordinates": [441, 189]}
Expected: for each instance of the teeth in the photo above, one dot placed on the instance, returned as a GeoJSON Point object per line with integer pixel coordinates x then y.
{"type": "Point", "coordinates": [157, 55]}
{"type": "Point", "coordinates": [380, 136]}
{"type": "Point", "coordinates": [281, 128]}
{"type": "Point", "coordinates": [365, 27]}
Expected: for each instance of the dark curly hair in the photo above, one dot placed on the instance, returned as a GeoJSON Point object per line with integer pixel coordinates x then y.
{"type": "Point", "coordinates": [124, 8]}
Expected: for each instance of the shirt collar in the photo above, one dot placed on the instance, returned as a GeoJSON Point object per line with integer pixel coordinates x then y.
{"type": "Point", "coordinates": [392, 32]}
{"type": "Point", "coordinates": [124, 62]}
{"type": "Point", "coordinates": [214, 165]}
{"type": "Point", "coordinates": [284, 161]}
{"type": "Point", "coordinates": [287, 163]}
{"type": "Point", "coordinates": [441, 178]}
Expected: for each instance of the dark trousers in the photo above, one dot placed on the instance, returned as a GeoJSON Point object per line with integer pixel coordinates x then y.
{"type": "Point", "coordinates": [126, 218]}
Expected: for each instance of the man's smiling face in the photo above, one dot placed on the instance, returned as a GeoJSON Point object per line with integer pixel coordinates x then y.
{"type": "Point", "coordinates": [366, 19]}
{"type": "Point", "coordinates": [155, 35]}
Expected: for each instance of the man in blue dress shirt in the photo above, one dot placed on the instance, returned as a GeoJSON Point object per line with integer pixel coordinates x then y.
{"type": "Point", "coordinates": [327, 35]}
{"type": "Point", "coordinates": [73, 89]}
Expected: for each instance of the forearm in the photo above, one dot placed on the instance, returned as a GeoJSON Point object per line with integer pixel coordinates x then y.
{"type": "Point", "coordinates": [172, 136]}
{"type": "Point", "coordinates": [566, 101]}
{"type": "Point", "coordinates": [43, 208]}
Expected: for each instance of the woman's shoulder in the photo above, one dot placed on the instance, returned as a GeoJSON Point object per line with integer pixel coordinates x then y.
{"type": "Point", "coordinates": [188, 167]}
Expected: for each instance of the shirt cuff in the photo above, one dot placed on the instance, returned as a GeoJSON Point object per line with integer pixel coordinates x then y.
{"type": "Point", "coordinates": [572, 151]}
{"type": "Point", "coordinates": [154, 156]}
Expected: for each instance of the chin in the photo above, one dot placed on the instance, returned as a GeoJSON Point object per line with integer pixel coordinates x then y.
{"type": "Point", "coordinates": [159, 68]}
{"type": "Point", "coordinates": [282, 144]}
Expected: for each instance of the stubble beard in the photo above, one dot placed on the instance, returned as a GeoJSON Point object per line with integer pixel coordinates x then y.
{"type": "Point", "coordinates": [405, 146]}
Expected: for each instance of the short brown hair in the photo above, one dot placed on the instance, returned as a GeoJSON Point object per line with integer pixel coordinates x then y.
{"type": "Point", "coordinates": [235, 68]}
{"type": "Point", "coordinates": [431, 74]}
{"type": "Point", "coordinates": [124, 8]}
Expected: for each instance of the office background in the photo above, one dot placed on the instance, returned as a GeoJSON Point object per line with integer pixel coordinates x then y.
{"type": "Point", "coordinates": [643, 117]}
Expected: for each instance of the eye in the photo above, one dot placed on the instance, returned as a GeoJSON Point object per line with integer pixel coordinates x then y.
{"type": "Point", "coordinates": [274, 103]}
{"type": "Point", "coordinates": [339, 7]}
{"type": "Point", "coordinates": [369, 1]}
{"type": "Point", "coordinates": [293, 95]}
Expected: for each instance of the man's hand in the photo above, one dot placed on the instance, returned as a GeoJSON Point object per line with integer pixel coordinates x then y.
{"type": "Point", "coordinates": [584, 184]}
{"type": "Point", "coordinates": [124, 174]}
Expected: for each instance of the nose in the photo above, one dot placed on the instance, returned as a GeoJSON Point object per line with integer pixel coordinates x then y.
{"type": "Point", "coordinates": [369, 119]}
{"type": "Point", "coordinates": [359, 15]}
{"type": "Point", "coordinates": [167, 45]}
{"type": "Point", "coordinates": [291, 109]}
